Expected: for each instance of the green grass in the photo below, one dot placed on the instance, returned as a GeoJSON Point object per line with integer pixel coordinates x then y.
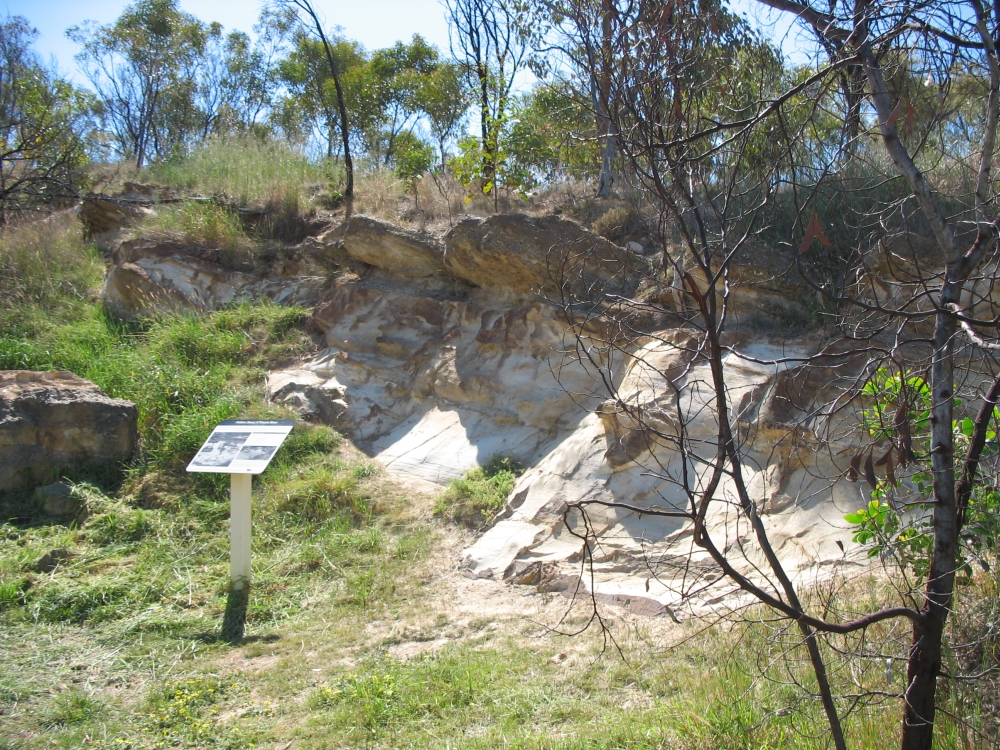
{"type": "Point", "coordinates": [185, 374]}
{"type": "Point", "coordinates": [48, 274]}
{"type": "Point", "coordinates": [200, 223]}
{"type": "Point", "coordinates": [477, 498]}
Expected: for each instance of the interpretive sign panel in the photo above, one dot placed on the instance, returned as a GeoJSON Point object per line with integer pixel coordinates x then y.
{"type": "Point", "coordinates": [241, 446]}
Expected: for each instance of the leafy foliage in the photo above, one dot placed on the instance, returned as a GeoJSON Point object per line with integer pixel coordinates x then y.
{"type": "Point", "coordinates": [896, 523]}
{"type": "Point", "coordinates": [413, 158]}
{"type": "Point", "coordinates": [42, 124]}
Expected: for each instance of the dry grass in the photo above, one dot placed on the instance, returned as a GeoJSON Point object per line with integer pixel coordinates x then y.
{"type": "Point", "coordinates": [47, 274]}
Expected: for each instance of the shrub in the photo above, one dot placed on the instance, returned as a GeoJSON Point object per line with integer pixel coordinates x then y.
{"type": "Point", "coordinates": [617, 223]}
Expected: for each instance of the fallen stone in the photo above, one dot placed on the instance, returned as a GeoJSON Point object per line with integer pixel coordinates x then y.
{"type": "Point", "coordinates": [51, 421]}
{"type": "Point", "coordinates": [57, 500]}
{"type": "Point", "coordinates": [51, 559]}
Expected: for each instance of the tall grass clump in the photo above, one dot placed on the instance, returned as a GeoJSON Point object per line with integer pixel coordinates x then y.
{"type": "Point", "coordinates": [248, 170]}
{"type": "Point", "coordinates": [380, 193]}
{"type": "Point", "coordinates": [48, 274]}
{"type": "Point", "coordinates": [199, 223]}
{"type": "Point", "coordinates": [478, 497]}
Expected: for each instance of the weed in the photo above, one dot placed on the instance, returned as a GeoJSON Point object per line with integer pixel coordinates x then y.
{"type": "Point", "coordinates": [12, 593]}
{"type": "Point", "coordinates": [321, 493]}
{"type": "Point", "coordinates": [185, 710]}
{"type": "Point", "coordinates": [118, 527]}
{"type": "Point", "coordinates": [72, 707]}
{"type": "Point", "coordinates": [361, 588]}
{"type": "Point", "coordinates": [365, 471]}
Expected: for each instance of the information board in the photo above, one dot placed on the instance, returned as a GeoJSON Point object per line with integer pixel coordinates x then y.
{"type": "Point", "coordinates": [241, 446]}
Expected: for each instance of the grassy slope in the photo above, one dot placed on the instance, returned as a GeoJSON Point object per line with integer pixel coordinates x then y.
{"type": "Point", "coordinates": [123, 645]}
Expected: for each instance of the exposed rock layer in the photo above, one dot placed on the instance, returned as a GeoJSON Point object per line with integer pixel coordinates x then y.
{"type": "Point", "coordinates": [149, 277]}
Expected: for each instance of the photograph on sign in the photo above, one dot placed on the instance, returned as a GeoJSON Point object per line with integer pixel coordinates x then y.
{"type": "Point", "coordinates": [241, 446]}
{"type": "Point", "coordinates": [256, 452]}
{"type": "Point", "coordinates": [220, 449]}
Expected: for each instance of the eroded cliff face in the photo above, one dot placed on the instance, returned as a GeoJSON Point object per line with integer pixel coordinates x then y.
{"type": "Point", "coordinates": [439, 353]}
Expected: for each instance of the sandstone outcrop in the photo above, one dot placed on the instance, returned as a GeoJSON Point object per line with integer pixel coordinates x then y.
{"type": "Point", "coordinates": [382, 245]}
{"type": "Point", "coordinates": [547, 255]}
{"type": "Point", "coordinates": [105, 216]}
{"type": "Point", "coordinates": [440, 353]}
{"type": "Point", "coordinates": [51, 421]}
{"type": "Point", "coordinates": [150, 277]}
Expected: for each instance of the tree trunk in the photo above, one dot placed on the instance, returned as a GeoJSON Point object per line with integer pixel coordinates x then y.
{"type": "Point", "coordinates": [924, 663]}
{"type": "Point", "coordinates": [607, 179]}
{"type": "Point", "coordinates": [604, 128]}
{"type": "Point", "coordinates": [489, 153]}
{"type": "Point", "coordinates": [341, 106]}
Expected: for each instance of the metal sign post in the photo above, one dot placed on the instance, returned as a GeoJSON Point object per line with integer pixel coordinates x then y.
{"type": "Point", "coordinates": [240, 448]}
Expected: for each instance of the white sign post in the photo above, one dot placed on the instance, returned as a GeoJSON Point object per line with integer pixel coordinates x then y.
{"type": "Point", "coordinates": [240, 448]}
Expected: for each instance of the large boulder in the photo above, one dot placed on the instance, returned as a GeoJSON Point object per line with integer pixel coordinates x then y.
{"type": "Point", "coordinates": [50, 421]}
{"type": "Point", "coordinates": [380, 244]}
{"type": "Point", "coordinates": [547, 255]}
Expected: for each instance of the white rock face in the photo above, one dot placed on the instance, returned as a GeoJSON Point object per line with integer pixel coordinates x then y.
{"type": "Point", "coordinates": [433, 382]}
{"type": "Point", "coordinates": [440, 353]}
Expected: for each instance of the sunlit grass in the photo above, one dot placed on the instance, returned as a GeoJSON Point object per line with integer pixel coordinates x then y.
{"type": "Point", "coordinates": [247, 170]}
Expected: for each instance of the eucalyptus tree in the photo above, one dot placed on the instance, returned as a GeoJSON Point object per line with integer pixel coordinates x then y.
{"type": "Point", "coordinates": [444, 98]}
{"type": "Point", "coordinates": [390, 87]}
{"type": "Point", "coordinates": [42, 120]}
{"type": "Point", "coordinates": [251, 78]}
{"type": "Point", "coordinates": [308, 106]}
{"type": "Point", "coordinates": [492, 39]}
{"type": "Point", "coordinates": [310, 20]}
{"type": "Point", "coordinates": [582, 32]}
{"type": "Point", "coordinates": [145, 68]}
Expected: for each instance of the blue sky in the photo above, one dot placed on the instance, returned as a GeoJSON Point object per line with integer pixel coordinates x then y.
{"type": "Point", "coordinates": [375, 23]}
